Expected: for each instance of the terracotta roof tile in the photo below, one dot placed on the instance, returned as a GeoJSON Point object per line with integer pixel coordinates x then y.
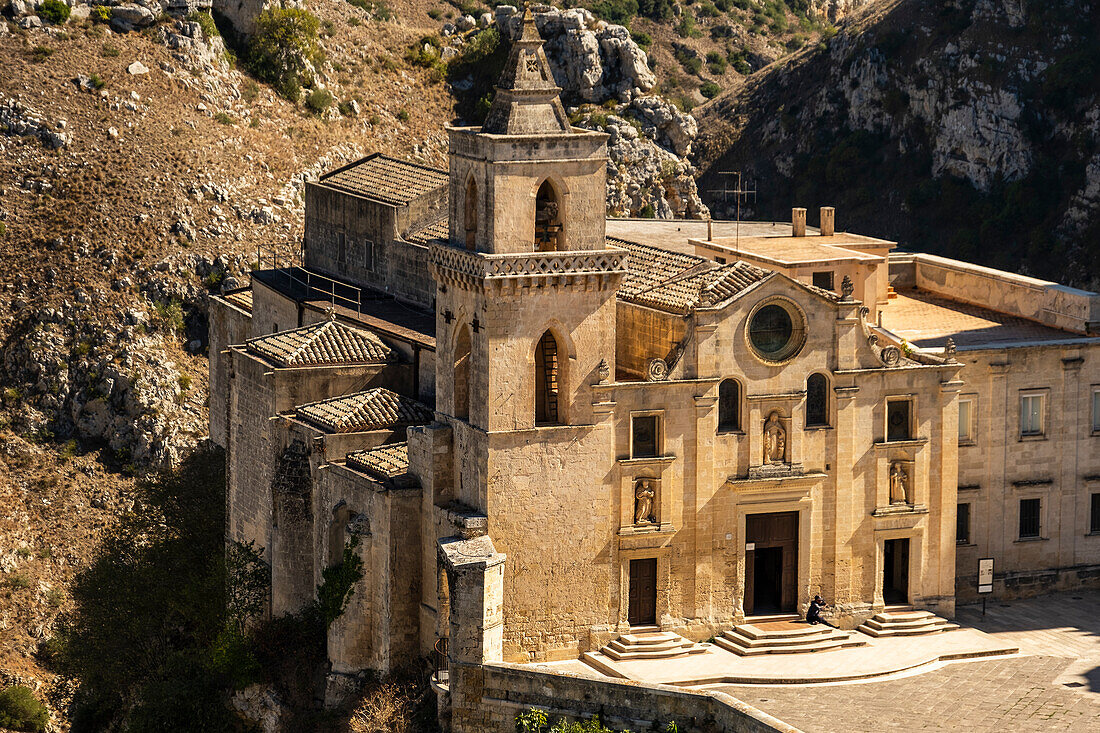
{"type": "Point", "coordinates": [679, 282]}
{"type": "Point", "coordinates": [241, 298]}
{"type": "Point", "coordinates": [328, 342]}
{"type": "Point", "coordinates": [386, 179]}
{"type": "Point", "coordinates": [385, 462]}
{"type": "Point", "coordinates": [439, 229]}
{"type": "Point", "coordinates": [374, 409]}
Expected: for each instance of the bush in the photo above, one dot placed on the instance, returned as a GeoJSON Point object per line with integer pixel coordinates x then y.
{"type": "Point", "coordinates": [206, 21]}
{"type": "Point", "coordinates": [41, 53]}
{"type": "Point", "coordinates": [110, 51]}
{"type": "Point", "coordinates": [101, 14]}
{"type": "Point", "coordinates": [710, 90]}
{"type": "Point", "coordinates": [21, 710]}
{"type": "Point", "coordinates": [223, 118]}
{"type": "Point", "coordinates": [319, 100]}
{"type": "Point", "coordinates": [54, 11]}
{"type": "Point", "coordinates": [615, 11]}
{"type": "Point", "coordinates": [284, 49]}
{"type": "Point", "coordinates": [716, 63]}
{"type": "Point", "coordinates": [643, 39]}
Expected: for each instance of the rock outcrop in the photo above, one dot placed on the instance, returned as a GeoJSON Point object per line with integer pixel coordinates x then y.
{"type": "Point", "coordinates": [591, 60]}
{"type": "Point", "coordinates": [646, 175]}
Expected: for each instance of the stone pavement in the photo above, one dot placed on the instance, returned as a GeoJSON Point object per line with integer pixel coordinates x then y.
{"type": "Point", "coordinates": [1054, 684]}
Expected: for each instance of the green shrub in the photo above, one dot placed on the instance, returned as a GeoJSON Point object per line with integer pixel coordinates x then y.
{"type": "Point", "coordinates": [101, 14]}
{"type": "Point", "coordinates": [319, 100]}
{"type": "Point", "coordinates": [716, 63]}
{"type": "Point", "coordinates": [19, 581]}
{"type": "Point", "coordinates": [223, 118]}
{"type": "Point", "coordinates": [96, 81]}
{"type": "Point", "coordinates": [41, 53]}
{"type": "Point", "coordinates": [655, 9]}
{"type": "Point", "coordinates": [615, 11]}
{"type": "Point", "coordinates": [686, 27]}
{"type": "Point", "coordinates": [337, 582]}
{"type": "Point", "coordinates": [21, 710]}
{"type": "Point", "coordinates": [54, 11]}
{"type": "Point", "coordinates": [209, 29]}
{"type": "Point", "coordinates": [379, 10]}
{"type": "Point", "coordinates": [403, 115]}
{"type": "Point", "coordinates": [283, 49]}
{"type": "Point", "coordinates": [710, 90]}
{"type": "Point", "coordinates": [110, 51]}
{"type": "Point", "coordinates": [643, 39]}
{"type": "Point", "coordinates": [688, 59]}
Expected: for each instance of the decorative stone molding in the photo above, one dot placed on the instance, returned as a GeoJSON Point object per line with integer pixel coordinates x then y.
{"type": "Point", "coordinates": [657, 370]}
{"type": "Point", "coordinates": [602, 268]}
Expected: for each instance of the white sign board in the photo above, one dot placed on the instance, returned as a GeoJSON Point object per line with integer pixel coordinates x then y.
{"type": "Point", "coordinates": [749, 546]}
{"type": "Point", "coordinates": [985, 575]}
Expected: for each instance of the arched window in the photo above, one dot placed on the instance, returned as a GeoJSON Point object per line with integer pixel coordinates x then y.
{"type": "Point", "coordinates": [817, 400]}
{"type": "Point", "coordinates": [547, 218]}
{"type": "Point", "coordinates": [337, 533]}
{"type": "Point", "coordinates": [470, 215]}
{"type": "Point", "coordinates": [729, 406]}
{"type": "Point", "coordinates": [547, 381]}
{"type": "Point", "coordinates": [462, 374]}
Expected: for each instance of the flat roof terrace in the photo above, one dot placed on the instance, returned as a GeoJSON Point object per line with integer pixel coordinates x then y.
{"type": "Point", "coordinates": [927, 320]}
{"type": "Point", "coordinates": [673, 234]}
{"type": "Point", "coordinates": [794, 251]}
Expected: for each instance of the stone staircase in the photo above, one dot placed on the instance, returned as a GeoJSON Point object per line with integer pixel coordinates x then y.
{"type": "Point", "coordinates": [905, 622]}
{"type": "Point", "coordinates": [650, 643]}
{"type": "Point", "coordinates": [784, 637]}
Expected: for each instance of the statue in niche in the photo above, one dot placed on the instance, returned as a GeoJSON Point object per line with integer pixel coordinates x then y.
{"type": "Point", "coordinates": [643, 503]}
{"type": "Point", "coordinates": [899, 484]}
{"type": "Point", "coordinates": [775, 440]}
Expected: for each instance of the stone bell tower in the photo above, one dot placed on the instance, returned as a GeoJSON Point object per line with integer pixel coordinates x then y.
{"type": "Point", "coordinates": [526, 284]}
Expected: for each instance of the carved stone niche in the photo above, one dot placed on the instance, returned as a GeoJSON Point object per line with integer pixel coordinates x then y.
{"type": "Point", "coordinates": [645, 502]}
{"type": "Point", "coordinates": [900, 493]}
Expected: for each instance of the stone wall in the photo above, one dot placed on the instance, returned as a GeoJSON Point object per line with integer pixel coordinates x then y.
{"type": "Point", "coordinates": [1000, 467]}
{"type": "Point", "coordinates": [1054, 305]}
{"type": "Point", "coordinates": [373, 254]}
{"type": "Point", "coordinates": [229, 325]}
{"type": "Point", "coordinates": [487, 698]}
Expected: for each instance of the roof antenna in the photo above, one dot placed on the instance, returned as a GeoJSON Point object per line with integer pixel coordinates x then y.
{"type": "Point", "coordinates": [738, 192]}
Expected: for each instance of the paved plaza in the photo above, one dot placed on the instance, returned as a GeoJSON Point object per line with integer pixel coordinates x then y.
{"type": "Point", "coordinates": [1053, 684]}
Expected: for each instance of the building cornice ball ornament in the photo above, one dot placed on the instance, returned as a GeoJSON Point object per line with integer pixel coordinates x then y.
{"type": "Point", "coordinates": [776, 330]}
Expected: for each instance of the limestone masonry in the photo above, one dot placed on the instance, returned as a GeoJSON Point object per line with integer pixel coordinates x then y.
{"type": "Point", "coordinates": [542, 429]}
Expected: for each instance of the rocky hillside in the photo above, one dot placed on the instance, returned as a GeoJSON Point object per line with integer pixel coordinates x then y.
{"type": "Point", "coordinates": [969, 128]}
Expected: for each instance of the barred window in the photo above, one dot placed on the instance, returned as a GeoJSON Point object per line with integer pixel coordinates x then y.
{"type": "Point", "coordinates": [1029, 517]}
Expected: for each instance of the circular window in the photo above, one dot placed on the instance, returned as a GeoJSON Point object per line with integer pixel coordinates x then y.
{"type": "Point", "coordinates": [776, 330]}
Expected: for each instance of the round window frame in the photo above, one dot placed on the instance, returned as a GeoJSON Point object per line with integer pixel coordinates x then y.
{"type": "Point", "coordinates": [799, 327]}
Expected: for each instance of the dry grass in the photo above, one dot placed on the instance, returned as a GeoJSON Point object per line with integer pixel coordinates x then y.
{"type": "Point", "coordinates": [392, 707]}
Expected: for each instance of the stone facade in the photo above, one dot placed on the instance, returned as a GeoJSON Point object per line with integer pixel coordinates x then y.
{"type": "Point", "coordinates": [623, 435]}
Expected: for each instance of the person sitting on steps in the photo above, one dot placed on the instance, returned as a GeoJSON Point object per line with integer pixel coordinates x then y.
{"type": "Point", "coordinates": [813, 613]}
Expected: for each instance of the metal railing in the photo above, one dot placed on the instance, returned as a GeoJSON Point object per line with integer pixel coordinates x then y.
{"type": "Point", "coordinates": [440, 669]}
{"type": "Point", "coordinates": [289, 269]}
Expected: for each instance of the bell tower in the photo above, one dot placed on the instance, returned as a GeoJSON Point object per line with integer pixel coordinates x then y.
{"type": "Point", "coordinates": [525, 286]}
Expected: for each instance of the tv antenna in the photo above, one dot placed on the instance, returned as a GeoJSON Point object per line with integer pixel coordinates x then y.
{"type": "Point", "coordinates": [739, 192]}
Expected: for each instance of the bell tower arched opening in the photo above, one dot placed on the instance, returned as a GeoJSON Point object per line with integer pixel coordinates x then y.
{"type": "Point", "coordinates": [462, 374]}
{"type": "Point", "coordinates": [470, 215]}
{"type": "Point", "coordinates": [547, 381]}
{"type": "Point", "coordinates": [548, 229]}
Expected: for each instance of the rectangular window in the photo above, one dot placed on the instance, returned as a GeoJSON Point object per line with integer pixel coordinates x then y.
{"type": "Point", "coordinates": [1029, 518]}
{"type": "Point", "coordinates": [1096, 409]}
{"type": "Point", "coordinates": [898, 420]}
{"type": "Point", "coordinates": [368, 255]}
{"type": "Point", "coordinates": [823, 280]}
{"type": "Point", "coordinates": [1094, 514]}
{"type": "Point", "coordinates": [1031, 414]}
{"type": "Point", "coordinates": [966, 421]}
{"type": "Point", "coordinates": [962, 525]}
{"type": "Point", "coordinates": [643, 436]}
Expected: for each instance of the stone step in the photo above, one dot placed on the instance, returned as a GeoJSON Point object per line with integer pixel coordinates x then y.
{"type": "Point", "coordinates": [738, 637]}
{"type": "Point", "coordinates": [905, 622]}
{"type": "Point", "coordinates": [795, 631]}
{"type": "Point", "coordinates": [651, 645]}
{"type": "Point", "coordinates": [841, 641]}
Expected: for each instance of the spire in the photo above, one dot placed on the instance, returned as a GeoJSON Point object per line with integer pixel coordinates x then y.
{"type": "Point", "coordinates": [527, 99]}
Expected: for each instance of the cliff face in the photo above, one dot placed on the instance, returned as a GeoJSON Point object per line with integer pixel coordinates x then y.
{"type": "Point", "coordinates": [969, 128]}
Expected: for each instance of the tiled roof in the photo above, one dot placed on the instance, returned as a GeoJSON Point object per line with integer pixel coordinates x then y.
{"type": "Point", "coordinates": [373, 409]}
{"type": "Point", "coordinates": [385, 462]}
{"type": "Point", "coordinates": [439, 229]}
{"type": "Point", "coordinates": [241, 298]}
{"type": "Point", "coordinates": [328, 342]}
{"type": "Point", "coordinates": [386, 179]}
{"type": "Point", "coordinates": [678, 282]}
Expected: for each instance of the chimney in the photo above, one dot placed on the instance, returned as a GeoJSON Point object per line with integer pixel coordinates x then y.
{"type": "Point", "coordinates": [828, 218]}
{"type": "Point", "coordinates": [710, 229]}
{"type": "Point", "coordinates": [798, 222]}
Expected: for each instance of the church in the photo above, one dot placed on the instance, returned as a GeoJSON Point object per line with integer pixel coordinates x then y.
{"type": "Point", "coordinates": [545, 431]}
